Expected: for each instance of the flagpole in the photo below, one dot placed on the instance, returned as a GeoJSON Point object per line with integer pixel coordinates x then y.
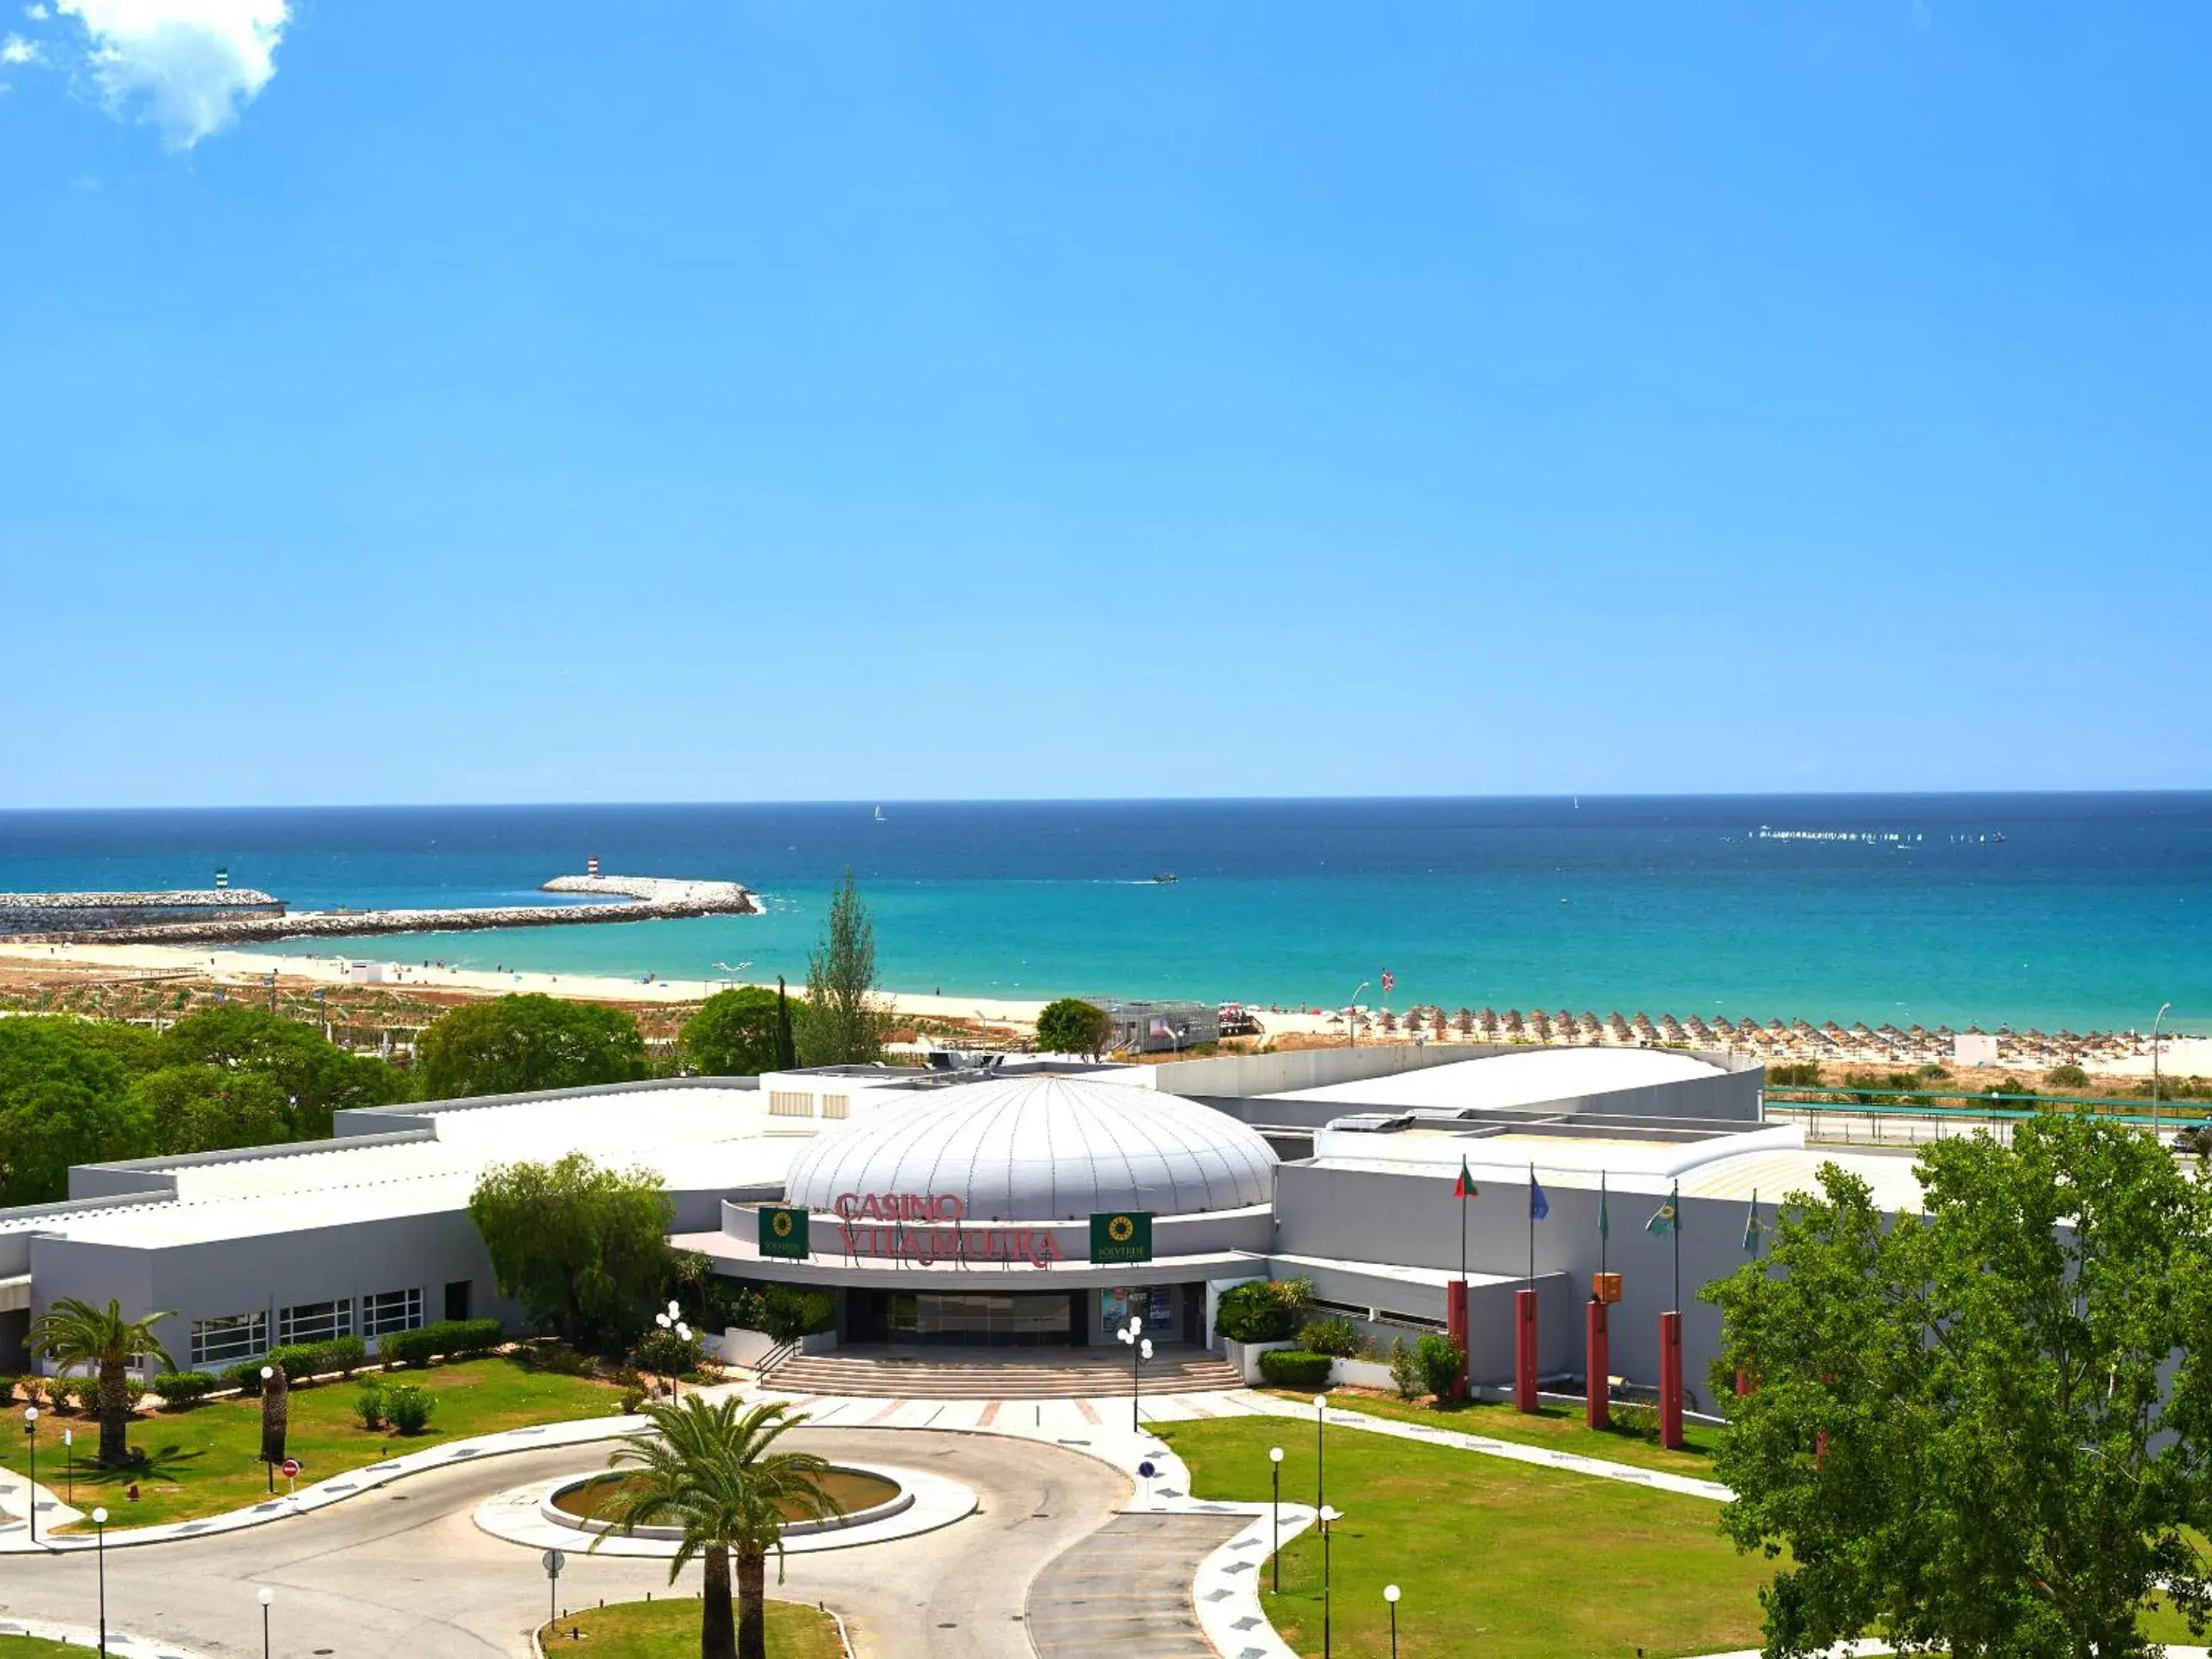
{"type": "Point", "coordinates": [1462, 1221]}
{"type": "Point", "coordinates": [1604, 1221]}
{"type": "Point", "coordinates": [1532, 1226]}
{"type": "Point", "coordinates": [1677, 1201]}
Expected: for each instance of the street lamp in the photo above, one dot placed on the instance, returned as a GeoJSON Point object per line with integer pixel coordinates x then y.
{"type": "Point", "coordinates": [1390, 1594]}
{"type": "Point", "coordinates": [68, 1468]}
{"type": "Point", "coordinates": [673, 1323]}
{"type": "Point", "coordinates": [1352, 1017]}
{"type": "Point", "coordinates": [1140, 1350]}
{"type": "Point", "coordinates": [31, 1499]}
{"type": "Point", "coordinates": [1275, 1469]}
{"type": "Point", "coordinates": [264, 1595]}
{"type": "Point", "coordinates": [2163, 1008]}
{"type": "Point", "coordinates": [1328, 1514]}
{"type": "Point", "coordinates": [1321, 1421]}
{"type": "Point", "coordinates": [99, 1524]}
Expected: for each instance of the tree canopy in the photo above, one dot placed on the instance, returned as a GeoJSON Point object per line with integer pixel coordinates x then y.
{"type": "Point", "coordinates": [843, 1026]}
{"type": "Point", "coordinates": [75, 1331]}
{"type": "Point", "coordinates": [734, 1034]}
{"type": "Point", "coordinates": [63, 1101]}
{"type": "Point", "coordinates": [1073, 1026]}
{"type": "Point", "coordinates": [514, 1043]}
{"type": "Point", "coordinates": [1958, 1426]}
{"type": "Point", "coordinates": [316, 1077]}
{"type": "Point", "coordinates": [584, 1249]}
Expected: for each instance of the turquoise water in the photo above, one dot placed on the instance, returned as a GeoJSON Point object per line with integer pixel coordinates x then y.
{"type": "Point", "coordinates": [2090, 911]}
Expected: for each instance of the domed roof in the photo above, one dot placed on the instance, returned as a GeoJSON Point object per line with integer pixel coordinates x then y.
{"type": "Point", "coordinates": [1043, 1149]}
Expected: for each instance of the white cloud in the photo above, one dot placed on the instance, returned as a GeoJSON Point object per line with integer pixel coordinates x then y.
{"type": "Point", "coordinates": [187, 65]}
{"type": "Point", "coordinates": [37, 14]}
{"type": "Point", "coordinates": [16, 50]}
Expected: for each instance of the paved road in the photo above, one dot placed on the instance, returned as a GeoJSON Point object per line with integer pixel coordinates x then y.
{"type": "Point", "coordinates": [1125, 1589]}
{"type": "Point", "coordinates": [405, 1571]}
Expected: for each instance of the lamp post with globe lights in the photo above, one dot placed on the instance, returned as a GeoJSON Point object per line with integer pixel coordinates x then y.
{"type": "Point", "coordinates": [1140, 1350]}
{"type": "Point", "coordinates": [31, 1498]}
{"type": "Point", "coordinates": [671, 1320]}
{"type": "Point", "coordinates": [1321, 1422]}
{"type": "Point", "coordinates": [100, 1532]}
{"type": "Point", "coordinates": [1390, 1594]}
{"type": "Point", "coordinates": [264, 1595]}
{"type": "Point", "coordinates": [1328, 1517]}
{"type": "Point", "coordinates": [1275, 1469]}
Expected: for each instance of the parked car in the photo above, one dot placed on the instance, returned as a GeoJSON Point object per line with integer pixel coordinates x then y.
{"type": "Point", "coordinates": [2196, 1138]}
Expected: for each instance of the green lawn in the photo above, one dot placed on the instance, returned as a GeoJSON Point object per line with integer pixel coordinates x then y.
{"type": "Point", "coordinates": [37, 1647]}
{"type": "Point", "coordinates": [1494, 1557]}
{"type": "Point", "coordinates": [206, 1461]}
{"type": "Point", "coordinates": [669, 1630]}
{"type": "Point", "coordinates": [1558, 1428]}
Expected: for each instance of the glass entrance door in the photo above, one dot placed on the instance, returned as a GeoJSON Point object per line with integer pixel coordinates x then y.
{"type": "Point", "coordinates": [930, 1319]}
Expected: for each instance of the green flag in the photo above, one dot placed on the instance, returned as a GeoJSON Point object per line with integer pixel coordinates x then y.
{"type": "Point", "coordinates": [1662, 1220]}
{"type": "Point", "coordinates": [1604, 1221]}
{"type": "Point", "coordinates": [1751, 1226]}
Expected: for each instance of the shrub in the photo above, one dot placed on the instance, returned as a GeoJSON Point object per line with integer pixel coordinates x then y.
{"type": "Point", "coordinates": [245, 1376]}
{"type": "Point", "coordinates": [409, 1405]}
{"type": "Point", "coordinates": [556, 1358]}
{"type": "Point", "coordinates": [298, 1360]}
{"type": "Point", "coordinates": [1252, 1313]}
{"type": "Point", "coordinates": [368, 1403]}
{"type": "Point", "coordinates": [633, 1398]}
{"type": "Point", "coordinates": [1439, 1360]}
{"type": "Point", "coordinates": [666, 1354]}
{"type": "Point", "coordinates": [455, 1339]}
{"type": "Point", "coordinates": [1405, 1370]}
{"type": "Point", "coordinates": [1294, 1367]}
{"type": "Point", "coordinates": [2068, 1076]}
{"type": "Point", "coordinates": [342, 1354]}
{"type": "Point", "coordinates": [1790, 1075]}
{"type": "Point", "coordinates": [182, 1390]}
{"type": "Point", "coordinates": [1636, 1421]}
{"type": "Point", "coordinates": [7, 1387]}
{"type": "Point", "coordinates": [1332, 1336]}
{"type": "Point", "coordinates": [787, 1313]}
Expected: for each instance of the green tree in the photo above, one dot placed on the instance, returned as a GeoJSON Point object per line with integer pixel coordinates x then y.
{"type": "Point", "coordinates": [787, 1047]}
{"type": "Point", "coordinates": [734, 1034]}
{"type": "Point", "coordinates": [63, 1101]}
{"type": "Point", "coordinates": [516, 1044]}
{"type": "Point", "coordinates": [73, 1332]}
{"type": "Point", "coordinates": [1073, 1026]}
{"type": "Point", "coordinates": [584, 1249]}
{"type": "Point", "coordinates": [204, 1109]}
{"type": "Point", "coordinates": [843, 1025]}
{"type": "Point", "coordinates": [316, 1078]}
{"type": "Point", "coordinates": [1958, 1430]}
{"type": "Point", "coordinates": [712, 1469]}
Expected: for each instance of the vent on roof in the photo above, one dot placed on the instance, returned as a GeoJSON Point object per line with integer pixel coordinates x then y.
{"type": "Point", "coordinates": [1374, 1123]}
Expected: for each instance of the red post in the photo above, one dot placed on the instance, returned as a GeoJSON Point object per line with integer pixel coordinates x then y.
{"type": "Point", "coordinates": [1598, 1404]}
{"type": "Point", "coordinates": [1456, 1326]}
{"type": "Point", "coordinates": [1524, 1351]}
{"type": "Point", "coordinates": [1670, 1381]}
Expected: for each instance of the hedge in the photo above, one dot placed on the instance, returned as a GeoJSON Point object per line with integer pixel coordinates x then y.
{"type": "Point", "coordinates": [184, 1389]}
{"type": "Point", "coordinates": [454, 1338]}
{"type": "Point", "coordinates": [1294, 1367]}
{"type": "Point", "coordinates": [1252, 1313]}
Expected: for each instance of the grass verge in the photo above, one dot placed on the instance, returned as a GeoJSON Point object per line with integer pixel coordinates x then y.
{"type": "Point", "coordinates": [669, 1630]}
{"type": "Point", "coordinates": [206, 1461]}
{"type": "Point", "coordinates": [1556, 1428]}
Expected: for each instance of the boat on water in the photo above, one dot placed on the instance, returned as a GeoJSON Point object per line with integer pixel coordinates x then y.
{"type": "Point", "coordinates": [879, 815]}
{"type": "Point", "coordinates": [1164, 879]}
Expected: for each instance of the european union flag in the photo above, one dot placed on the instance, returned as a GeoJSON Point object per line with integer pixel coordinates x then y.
{"type": "Point", "coordinates": [1539, 1206]}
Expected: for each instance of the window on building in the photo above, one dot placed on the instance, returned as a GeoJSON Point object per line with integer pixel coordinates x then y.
{"type": "Point", "coordinates": [837, 1105]}
{"type": "Point", "coordinates": [388, 1312]}
{"type": "Point", "coordinates": [790, 1103]}
{"type": "Point", "coordinates": [315, 1322]}
{"type": "Point", "coordinates": [232, 1338]}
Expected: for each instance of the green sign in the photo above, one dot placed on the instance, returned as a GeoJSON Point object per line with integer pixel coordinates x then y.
{"type": "Point", "coordinates": [783, 1232]}
{"type": "Point", "coordinates": [1121, 1236]}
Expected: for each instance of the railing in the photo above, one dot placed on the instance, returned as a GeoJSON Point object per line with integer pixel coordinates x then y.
{"type": "Point", "coordinates": [774, 1357]}
{"type": "Point", "coordinates": [1950, 1111]}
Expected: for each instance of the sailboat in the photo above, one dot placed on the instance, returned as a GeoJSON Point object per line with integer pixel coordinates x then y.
{"type": "Point", "coordinates": [879, 815]}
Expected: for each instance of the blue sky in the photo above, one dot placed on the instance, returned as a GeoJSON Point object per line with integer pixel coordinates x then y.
{"type": "Point", "coordinates": [672, 401]}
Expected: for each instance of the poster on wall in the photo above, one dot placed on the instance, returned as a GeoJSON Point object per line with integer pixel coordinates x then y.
{"type": "Point", "coordinates": [1113, 1309]}
{"type": "Point", "coordinates": [1160, 1311]}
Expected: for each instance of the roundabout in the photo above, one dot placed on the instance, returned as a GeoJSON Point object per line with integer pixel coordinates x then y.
{"type": "Point", "coordinates": [883, 1502]}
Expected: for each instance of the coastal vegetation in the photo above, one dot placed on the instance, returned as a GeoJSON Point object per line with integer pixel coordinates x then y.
{"type": "Point", "coordinates": [1966, 1427]}
{"type": "Point", "coordinates": [1073, 1026]}
{"type": "Point", "coordinates": [513, 1044]}
{"type": "Point", "coordinates": [582, 1248]}
{"type": "Point", "coordinates": [734, 1033]}
{"type": "Point", "coordinates": [81, 1091]}
{"type": "Point", "coordinates": [713, 1470]}
{"type": "Point", "coordinates": [843, 1024]}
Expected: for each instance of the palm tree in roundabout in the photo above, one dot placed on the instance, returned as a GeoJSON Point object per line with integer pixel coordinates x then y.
{"type": "Point", "coordinates": [711, 1468]}
{"type": "Point", "coordinates": [75, 1333]}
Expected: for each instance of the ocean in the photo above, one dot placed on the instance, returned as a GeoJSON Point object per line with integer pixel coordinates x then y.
{"type": "Point", "coordinates": [2054, 910]}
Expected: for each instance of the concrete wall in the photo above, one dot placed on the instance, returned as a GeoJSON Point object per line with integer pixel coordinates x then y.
{"type": "Point", "coordinates": [1236, 1076]}
{"type": "Point", "coordinates": [1352, 1216]}
{"type": "Point", "coordinates": [265, 1272]}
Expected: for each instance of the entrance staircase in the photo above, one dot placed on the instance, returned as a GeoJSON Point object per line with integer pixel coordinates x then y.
{"type": "Point", "coordinates": [998, 1374]}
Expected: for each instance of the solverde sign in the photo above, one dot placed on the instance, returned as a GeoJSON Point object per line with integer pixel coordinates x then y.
{"type": "Point", "coordinates": [783, 1232]}
{"type": "Point", "coordinates": [1121, 1236]}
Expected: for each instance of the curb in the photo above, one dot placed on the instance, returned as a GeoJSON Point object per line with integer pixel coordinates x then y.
{"type": "Point", "coordinates": [81, 1635]}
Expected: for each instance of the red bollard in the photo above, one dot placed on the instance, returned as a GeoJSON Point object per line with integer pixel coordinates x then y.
{"type": "Point", "coordinates": [1597, 1405]}
{"type": "Point", "coordinates": [1455, 1329]}
{"type": "Point", "coordinates": [1670, 1381]}
{"type": "Point", "coordinates": [1524, 1351]}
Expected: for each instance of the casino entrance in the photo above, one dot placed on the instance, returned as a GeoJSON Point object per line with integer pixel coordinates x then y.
{"type": "Point", "coordinates": [993, 1319]}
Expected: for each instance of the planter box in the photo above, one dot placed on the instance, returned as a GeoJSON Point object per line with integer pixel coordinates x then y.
{"type": "Point", "coordinates": [1360, 1373]}
{"type": "Point", "coordinates": [1245, 1356]}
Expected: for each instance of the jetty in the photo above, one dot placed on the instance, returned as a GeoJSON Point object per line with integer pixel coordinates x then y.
{"type": "Point", "coordinates": [229, 915]}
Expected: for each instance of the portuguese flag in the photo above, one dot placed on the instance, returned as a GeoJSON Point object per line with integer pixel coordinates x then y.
{"type": "Point", "coordinates": [1464, 1187]}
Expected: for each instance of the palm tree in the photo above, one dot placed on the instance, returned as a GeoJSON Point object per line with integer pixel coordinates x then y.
{"type": "Point", "coordinates": [73, 1332]}
{"type": "Point", "coordinates": [708, 1469]}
